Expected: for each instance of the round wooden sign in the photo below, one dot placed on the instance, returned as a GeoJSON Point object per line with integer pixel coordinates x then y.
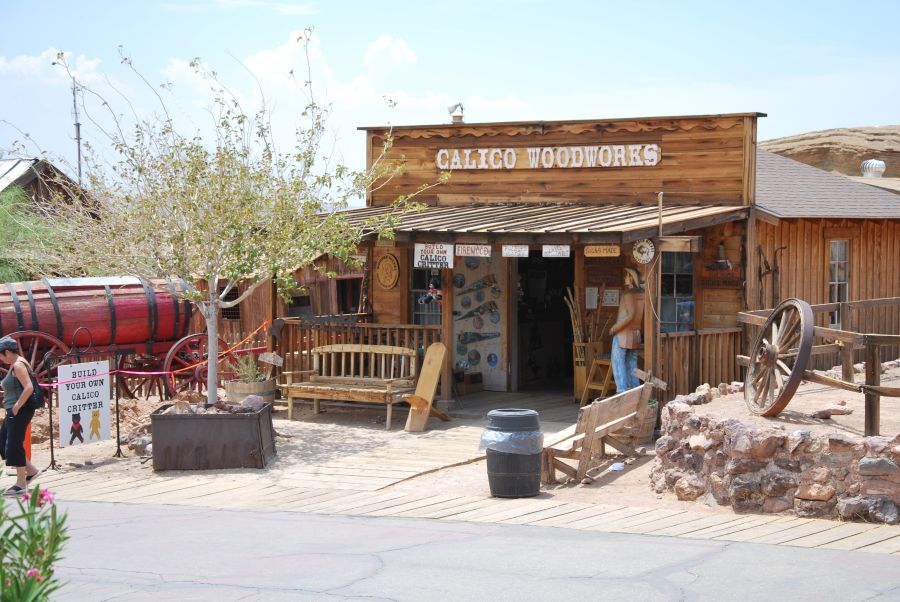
{"type": "Point", "coordinates": [643, 250]}
{"type": "Point", "coordinates": [387, 271]}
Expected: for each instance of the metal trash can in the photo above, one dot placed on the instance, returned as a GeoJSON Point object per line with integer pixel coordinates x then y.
{"type": "Point", "coordinates": [513, 441]}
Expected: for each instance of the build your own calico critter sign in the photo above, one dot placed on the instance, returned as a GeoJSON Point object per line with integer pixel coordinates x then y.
{"type": "Point", "coordinates": [433, 256]}
{"type": "Point", "coordinates": [83, 403]}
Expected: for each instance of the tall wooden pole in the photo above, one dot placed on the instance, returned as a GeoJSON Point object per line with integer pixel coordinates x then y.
{"type": "Point", "coordinates": [873, 400]}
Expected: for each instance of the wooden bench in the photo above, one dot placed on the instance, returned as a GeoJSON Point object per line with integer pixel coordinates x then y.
{"type": "Point", "coordinates": [596, 425]}
{"type": "Point", "coordinates": [378, 374]}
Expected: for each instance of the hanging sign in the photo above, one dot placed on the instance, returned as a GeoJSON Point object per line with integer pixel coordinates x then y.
{"type": "Point", "coordinates": [601, 251]}
{"type": "Point", "coordinates": [555, 251]}
{"type": "Point", "coordinates": [515, 250]}
{"type": "Point", "coordinates": [550, 157]}
{"type": "Point", "coordinates": [83, 404]}
{"type": "Point", "coordinates": [433, 256]}
{"type": "Point", "coordinates": [473, 250]}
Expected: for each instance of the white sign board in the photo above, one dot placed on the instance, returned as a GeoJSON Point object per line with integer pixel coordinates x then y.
{"type": "Point", "coordinates": [550, 157]}
{"type": "Point", "coordinates": [473, 250]}
{"type": "Point", "coordinates": [515, 250]}
{"type": "Point", "coordinates": [83, 403]}
{"type": "Point", "coordinates": [590, 297]}
{"type": "Point", "coordinates": [611, 297]}
{"type": "Point", "coordinates": [555, 251]}
{"type": "Point", "coordinates": [433, 256]}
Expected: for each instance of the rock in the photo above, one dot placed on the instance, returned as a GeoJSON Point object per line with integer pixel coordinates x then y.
{"type": "Point", "coordinates": [743, 486]}
{"type": "Point", "coordinates": [706, 391]}
{"type": "Point", "coordinates": [254, 403]}
{"type": "Point", "coordinates": [778, 484]}
{"type": "Point", "coordinates": [140, 445]}
{"type": "Point", "coordinates": [885, 511]}
{"type": "Point", "coordinates": [700, 443]}
{"type": "Point", "coordinates": [821, 414]}
{"type": "Point", "coordinates": [723, 389]}
{"type": "Point", "coordinates": [819, 475]}
{"type": "Point", "coordinates": [773, 505]}
{"type": "Point", "coordinates": [191, 397]}
{"type": "Point", "coordinates": [149, 450]}
{"type": "Point", "coordinates": [859, 368]}
{"type": "Point", "coordinates": [736, 387]}
{"type": "Point", "coordinates": [877, 445]}
{"type": "Point", "coordinates": [672, 476]}
{"type": "Point", "coordinates": [587, 481]}
{"type": "Point", "coordinates": [879, 487]}
{"type": "Point", "coordinates": [840, 410]}
{"type": "Point", "coordinates": [796, 439]}
{"type": "Point", "coordinates": [841, 402]}
{"type": "Point", "coordinates": [744, 465]}
{"type": "Point", "coordinates": [640, 451]}
{"type": "Point", "coordinates": [179, 407]}
{"type": "Point", "coordinates": [840, 442]}
{"type": "Point", "coordinates": [812, 508]}
{"type": "Point", "coordinates": [869, 466]}
{"type": "Point", "coordinates": [665, 444]}
{"type": "Point", "coordinates": [718, 489]}
{"type": "Point", "coordinates": [788, 464]}
{"type": "Point", "coordinates": [815, 491]}
{"type": "Point", "coordinates": [854, 507]}
{"type": "Point", "coordinates": [689, 488]}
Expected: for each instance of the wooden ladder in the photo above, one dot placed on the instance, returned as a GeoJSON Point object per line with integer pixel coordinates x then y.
{"type": "Point", "coordinates": [601, 370]}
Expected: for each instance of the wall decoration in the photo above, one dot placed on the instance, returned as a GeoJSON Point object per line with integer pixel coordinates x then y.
{"type": "Point", "coordinates": [492, 359]}
{"type": "Point", "coordinates": [459, 280]}
{"type": "Point", "coordinates": [387, 271]}
{"type": "Point", "coordinates": [472, 262]}
{"type": "Point", "coordinates": [482, 309]}
{"type": "Point", "coordinates": [479, 296]}
{"type": "Point", "coordinates": [466, 302]}
{"type": "Point", "coordinates": [461, 348]}
{"type": "Point", "coordinates": [494, 317]}
{"type": "Point", "coordinates": [488, 281]}
{"type": "Point", "coordinates": [469, 337]}
{"type": "Point", "coordinates": [478, 322]}
{"type": "Point", "coordinates": [474, 357]}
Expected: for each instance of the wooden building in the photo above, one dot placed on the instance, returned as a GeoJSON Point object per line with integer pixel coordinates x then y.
{"type": "Point", "coordinates": [534, 208]}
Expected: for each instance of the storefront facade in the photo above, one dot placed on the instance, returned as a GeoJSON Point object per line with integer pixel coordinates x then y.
{"type": "Point", "coordinates": [532, 211]}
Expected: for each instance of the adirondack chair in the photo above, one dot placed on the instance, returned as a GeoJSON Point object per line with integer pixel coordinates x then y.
{"type": "Point", "coordinates": [596, 424]}
{"type": "Point", "coordinates": [420, 402]}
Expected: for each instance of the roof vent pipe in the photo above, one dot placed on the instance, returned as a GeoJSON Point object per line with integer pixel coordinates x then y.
{"type": "Point", "coordinates": [456, 112]}
{"type": "Point", "coordinates": [872, 168]}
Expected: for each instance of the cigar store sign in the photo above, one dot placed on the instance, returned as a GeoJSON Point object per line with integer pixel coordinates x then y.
{"type": "Point", "coordinates": [550, 157]}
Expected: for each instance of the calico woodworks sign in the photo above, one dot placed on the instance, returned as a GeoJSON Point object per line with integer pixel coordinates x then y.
{"type": "Point", "coordinates": [550, 157]}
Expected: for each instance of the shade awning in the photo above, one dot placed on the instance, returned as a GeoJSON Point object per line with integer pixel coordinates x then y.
{"type": "Point", "coordinates": [542, 221]}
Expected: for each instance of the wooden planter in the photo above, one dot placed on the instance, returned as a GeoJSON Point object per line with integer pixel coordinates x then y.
{"type": "Point", "coordinates": [237, 390]}
{"type": "Point", "coordinates": [210, 441]}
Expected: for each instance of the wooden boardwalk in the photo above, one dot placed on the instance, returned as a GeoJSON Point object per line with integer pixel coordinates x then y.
{"type": "Point", "coordinates": [354, 476]}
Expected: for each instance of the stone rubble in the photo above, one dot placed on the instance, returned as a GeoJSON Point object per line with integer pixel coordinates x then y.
{"type": "Point", "coordinates": [768, 469]}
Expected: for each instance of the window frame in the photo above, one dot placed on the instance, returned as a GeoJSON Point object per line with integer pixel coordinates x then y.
{"type": "Point", "coordinates": [678, 325]}
{"type": "Point", "coordinates": [834, 318]}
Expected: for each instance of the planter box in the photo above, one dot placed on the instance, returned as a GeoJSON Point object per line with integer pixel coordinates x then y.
{"type": "Point", "coordinates": [236, 390]}
{"type": "Point", "coordinates": [210, 441]}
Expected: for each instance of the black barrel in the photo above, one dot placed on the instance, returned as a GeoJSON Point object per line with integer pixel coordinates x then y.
{"type": "Point", "coordinates": [513, 442]}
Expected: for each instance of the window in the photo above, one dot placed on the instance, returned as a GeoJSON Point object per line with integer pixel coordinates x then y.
{"type": "Point", "coordinates": [300, 307]}
{"type": "Point", "coordinates": [231, 313]}
{"type": "Point", "coordinates": [348, 292]}
{"type": "Point", "coordinates": [423, 313]}
{"type": "Point", "coordinates": [838, 276]}
{"type": "Point", "coordinates": [677, 292]}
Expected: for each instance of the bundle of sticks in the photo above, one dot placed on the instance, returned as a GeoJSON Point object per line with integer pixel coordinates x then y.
{"type": "Point", "coordinates": [586, 323]}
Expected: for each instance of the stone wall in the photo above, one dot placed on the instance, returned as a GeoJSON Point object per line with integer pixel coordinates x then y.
{"type": "Point", "coordinates": [772, 470]}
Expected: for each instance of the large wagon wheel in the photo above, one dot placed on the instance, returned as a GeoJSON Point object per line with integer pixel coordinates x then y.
{"type": "Point", "coordinates": [780, 354]}
{"type": "Point", "coordinates": [132, 386]}
{"type": "Point", "coordinates": [42, 351]}
{"type": "Point", "coordinates": [184, 369]}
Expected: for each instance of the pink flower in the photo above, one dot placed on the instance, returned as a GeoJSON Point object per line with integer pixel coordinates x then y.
{"type": "Point", "coordinates": [46, 497]}
{"type": "Point", "coordinates": [33, 572]}
{"type": "Point", "coordinates": [25, 496]}
{"type": "Point", "coordinates": [9, 582]}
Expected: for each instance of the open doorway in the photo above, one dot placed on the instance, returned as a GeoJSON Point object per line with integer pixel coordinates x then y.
{"type": "Point", "coordinates": [544, 341]}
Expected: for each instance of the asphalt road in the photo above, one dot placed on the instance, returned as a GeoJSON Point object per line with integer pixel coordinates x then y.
{"type": "Point", "coordinates": [145, 552]}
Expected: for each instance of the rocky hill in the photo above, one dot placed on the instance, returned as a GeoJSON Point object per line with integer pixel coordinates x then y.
{"type": "Point", "coordinates": [842, 150]}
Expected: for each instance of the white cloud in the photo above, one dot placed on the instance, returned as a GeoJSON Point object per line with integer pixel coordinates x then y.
{"type": "Point", "coordinates": [42, 67]}
{"type": "Point", "coordinates": [281, 8]}
{"type": "Point", "coordinates": [390, 50]}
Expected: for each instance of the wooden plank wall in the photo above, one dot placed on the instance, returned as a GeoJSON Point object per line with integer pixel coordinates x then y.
{"type": "Point", "coordinates": [874, 268]}
{"type": "Point", "coordinates": [690, 359]}
{"type": "Point", "coordinates": [703, 159]}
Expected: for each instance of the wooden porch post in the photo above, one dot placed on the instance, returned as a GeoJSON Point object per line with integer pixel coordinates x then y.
{"type": "Point", "coordinates": [447, 333]}
{"type": "Point", "coordinates": [872, 400]}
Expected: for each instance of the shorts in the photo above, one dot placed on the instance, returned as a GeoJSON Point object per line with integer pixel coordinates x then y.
{"type": "Point", "coordinates": [12, 436]}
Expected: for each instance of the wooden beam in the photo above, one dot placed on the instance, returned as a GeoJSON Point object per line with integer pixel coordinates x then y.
{"type": "Point", "coordinates": [872, 398]}
{"type": "Point", "coordinates": [821, 379]}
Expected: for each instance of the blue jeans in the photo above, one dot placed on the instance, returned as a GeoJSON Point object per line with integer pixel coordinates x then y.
{"type": "Point", "coordinates": [624, 361]}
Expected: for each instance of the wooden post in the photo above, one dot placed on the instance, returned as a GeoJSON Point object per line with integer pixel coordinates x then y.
{"type": "Point", "coordinates": [447, 333]}
{"type": "Point", "coordinates": [273, 309]}
{"type": "Point", "coordinates": [873, 400]}
{"type": "Point", "coordinates": [847, 349]}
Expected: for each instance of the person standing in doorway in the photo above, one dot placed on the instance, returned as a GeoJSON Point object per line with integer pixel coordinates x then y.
{"type": "Point", "coordinates": [627, 332]}
{"type": "Point", "coordinates": [17, 389]}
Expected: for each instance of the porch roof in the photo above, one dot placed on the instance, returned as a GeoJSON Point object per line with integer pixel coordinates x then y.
{"type": "Point", "coordinates": [545, 221]}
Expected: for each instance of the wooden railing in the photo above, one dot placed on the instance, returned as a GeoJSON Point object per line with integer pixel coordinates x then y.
{"type": "Point", "coordinates": [299, 337]}
{"type": "Point", "coordinates": [694, 357]}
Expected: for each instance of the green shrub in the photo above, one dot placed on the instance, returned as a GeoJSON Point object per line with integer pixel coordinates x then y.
{"type": "Point", "coordinates": [31, 540]}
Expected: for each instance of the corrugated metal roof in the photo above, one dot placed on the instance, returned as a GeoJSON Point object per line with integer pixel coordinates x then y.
{"type": "Point", "coordinates": [790, 189]}
{"type": "Point", "coordinates": [510, 219]}
{"type": "Point", "coordinates": [14, 170]}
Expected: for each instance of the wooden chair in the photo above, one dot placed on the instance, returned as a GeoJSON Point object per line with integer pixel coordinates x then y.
{"type": "Point", "coordinates": [599, 378]}
{"type": "Point", "coordinates": [420, 402]}
{"type": "Point", "coordinates": [597, 424]}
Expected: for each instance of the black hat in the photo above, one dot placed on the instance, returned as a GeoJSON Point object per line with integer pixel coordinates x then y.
{"type": "Point", "coordinates": [8, 344]}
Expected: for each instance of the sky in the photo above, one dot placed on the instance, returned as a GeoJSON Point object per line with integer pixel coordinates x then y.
{"type": "Point", "coordinates": [807, 65]}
